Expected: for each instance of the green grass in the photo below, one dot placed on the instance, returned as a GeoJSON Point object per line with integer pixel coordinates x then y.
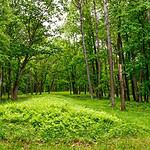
{"type": "Point", "coordinates": [63, 121]}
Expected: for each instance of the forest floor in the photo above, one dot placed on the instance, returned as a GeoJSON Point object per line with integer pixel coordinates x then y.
{"type": "Point", "coordinates": [63, 121]}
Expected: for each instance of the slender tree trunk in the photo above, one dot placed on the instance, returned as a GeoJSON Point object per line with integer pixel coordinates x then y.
{"type": "Point", "coordinates": [117, 84]}
{"type": "Point", "coordinates": [1, 82]}
{"type": "Point", "coordinates": [41, 87]}
{"type": "Point", "coordinates": [73, 81]}
{"type": "Point", "coordinates": [134, 80]}
{"type": "Point", "coordinates": [31, 85]}
{"type": "Point", "coordinates": [122, 70]}
{"type": "Point", "coordinates": [70, 88]}
{"type": "Point", "coordinates": [9, 80]}
{"type": "Point", "coordinates": [36, 87]}
{"type": "Point", "coordinates": [147, 64]}
{"type": "Point", "coordinates": [127, 93]}
{"type": "Point", "coordinates": [84, 49]}
{"type": "Point", "coordinates": [121, 77]}
{"type": "Point", "coordinates": [97, 48]}
{"type": "Point", "coordinates": [140, 86]}
{"type": "Point", "coordinates": [52, 83]}
{"type": "Point", "coordinates": [109, 53]}
{"type": "Point", "coordinates": [121, 88]}
{"type": "Point", "coordinates": [107, 89]}
{"type": "Point", "coordinates": [147, 79]}
{"type": "Point", "coordinates": [135, 89]}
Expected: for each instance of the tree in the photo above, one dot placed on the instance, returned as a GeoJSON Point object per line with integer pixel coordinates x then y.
{"type": "Point", "coordinates": [27, 32]}
{"type": "Point", "coordinates": [79, 5]}
{"type": "Point", "coordinates": [109, 52]}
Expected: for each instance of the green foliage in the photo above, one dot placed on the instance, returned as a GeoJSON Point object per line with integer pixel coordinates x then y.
{"type": "Point", "coordinates": [57, 120]}
{"type": "Point", "coordinates": [127, 130]}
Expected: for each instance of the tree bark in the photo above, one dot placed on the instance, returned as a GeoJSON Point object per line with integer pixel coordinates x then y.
{"type": "Point", "coordinates": [109, 46]}
{"type": "Point", "coordinates": [1, 82]}
{"type": "Point", "coordinates": [84, 49]}
{"type": "Point", "coordinates": [9, 80]}
{"type": "Point", "coordinates": [98, 62]}
{"type": "Point", "coordinates": [121, 77]}
{"type": "Point", "coordinates": [21, 67]}
{"type": "Point", "coordinates": [134, 87]}
{"type": "Point", "coordinates": [121, 88]}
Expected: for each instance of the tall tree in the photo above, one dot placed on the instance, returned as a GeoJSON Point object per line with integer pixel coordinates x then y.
{"type": "Point", "coordinates": [79, 4]}
{"type": "Point", "coordinates": [110, 58]}
{"type": "Point", "coordinates": [27, 34]}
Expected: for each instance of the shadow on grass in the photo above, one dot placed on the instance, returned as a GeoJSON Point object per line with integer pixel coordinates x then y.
{"type": "Point", "coordinates": [20, 98]}
{"type": "Point", "coordinates": [78, 96]}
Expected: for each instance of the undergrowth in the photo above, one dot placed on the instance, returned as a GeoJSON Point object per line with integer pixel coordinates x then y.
{"type": "Point", "coordinates": [46, 121]}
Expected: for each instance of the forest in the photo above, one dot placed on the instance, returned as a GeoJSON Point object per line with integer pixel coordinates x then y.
{"type": "Point", "coordinates": [75, 74]}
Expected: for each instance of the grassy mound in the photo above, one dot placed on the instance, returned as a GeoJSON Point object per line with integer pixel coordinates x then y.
{"type": "Point", "coordinates": [57, 122]}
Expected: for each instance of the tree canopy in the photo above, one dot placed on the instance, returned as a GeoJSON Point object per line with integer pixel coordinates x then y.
{"type": "Point", "coordinates": [100, 47]}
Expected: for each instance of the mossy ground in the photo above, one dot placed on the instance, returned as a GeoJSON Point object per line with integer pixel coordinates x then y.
{"type": "Point", "coordinates": [63, 121]}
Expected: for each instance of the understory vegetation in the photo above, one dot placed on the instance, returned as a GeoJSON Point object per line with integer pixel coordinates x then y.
{"type": "Point", "coordinates": [66, 121]}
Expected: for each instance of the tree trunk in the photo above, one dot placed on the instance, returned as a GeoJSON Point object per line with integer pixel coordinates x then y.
{"type": "Point", "coordinates": [1, 82]}
{"type": "Point", "coordinates": [121, 88]}
{"type": "Point", "coordinates": [140, 86]}
{"type": "Point", "coordinates": [15, 89]}
{"type": "Point", "coordinates": [134, 88]}
{"type": "Point", "coordinates": [84, 50]}
{"type": "Point", "coordinates": [73, 81]}
{"type": "Point", "coordinates": [31, 85]}
{"type": "Point", "coordinates": [127, 93]}
{"type": "Point", "coordinates": [98, 62]}
{"type": "Point", "coordinates": [52, 83]}
{"type": "Point", "coordinates": [121, 77]}
{"type": "Point", "coordinates": [9, 80]}
{"type": "Point", "coordinates": [21, 67]}
{"type": "Point", "coordinates": [85, 89]}
{"type": "Point", "coordinates": [107, 88]}
{"type": "Point", "coordinates": [109, 53]}
{"type": "Point", "coordinates": [134, 80]}
{"type": "Point", "coordinates": [41, 87]}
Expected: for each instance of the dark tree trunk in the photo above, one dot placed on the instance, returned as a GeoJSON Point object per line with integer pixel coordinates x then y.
{"type": "Point", "coordinates": [15, 89]}
{"type": "Point", "coordinates": [31, 85]}
{"type": "Point", "coordinates": [21, 67]}
{"type": "Point", "coordinates": [127, 93]}
{"type": "Point", "coordinates": [121, 77]}
{"type": "Point", "coordinates": [36, 87]}
{"type": "Point", "coordinates": [73, 81]}
{"type": "Point", "coordinates": [85, 89]}
{"type": "Point", "coordinates": [134, 80]}
{"type": "Point", "coordinates": [74, 88]}
{"type": "Point", "coordinates": [1, 81]}
{"type": "Point", "coordinates": [41, 87]}
{"type": "Point", "coordinates": [9, 80]}
{"type": "Point", "coordinates": [133, 91]}
{"type": "Point", "coordinates": [134, 87]}
{"type": "Point", "coordinates": [140, 87]}
{"type": "Point", "coordinates": [51, 86]}
{"type": "Point", "coordinates": [70, 88]}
